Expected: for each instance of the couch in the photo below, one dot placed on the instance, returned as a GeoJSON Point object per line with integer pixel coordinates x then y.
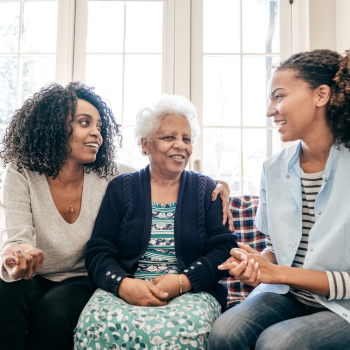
{"type": "Point", "coordinates": [243, 209]}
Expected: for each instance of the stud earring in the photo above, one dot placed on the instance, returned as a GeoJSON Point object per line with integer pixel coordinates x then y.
{"type": "Point", "coordinates": [145, 153]}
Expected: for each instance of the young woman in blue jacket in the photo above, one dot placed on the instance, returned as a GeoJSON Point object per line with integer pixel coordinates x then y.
{"type": "Point", "coordinates": [303, 300]}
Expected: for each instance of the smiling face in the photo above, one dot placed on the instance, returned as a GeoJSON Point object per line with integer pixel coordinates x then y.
{"type": "Point", "coordinates": [86, 138]}
{"type": "Point", "coordinates": [170, 147]}
{"type": "Point", "coordinates": [296, 109]}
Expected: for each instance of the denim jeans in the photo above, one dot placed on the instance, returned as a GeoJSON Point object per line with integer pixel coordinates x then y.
{"type": "Point", "coordinates": [278, 322]}
{"type": "Point", "coordinates": [39, 314]}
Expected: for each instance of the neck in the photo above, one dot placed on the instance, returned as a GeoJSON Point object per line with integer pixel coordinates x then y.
{"type": "Point", "coordinates": [70, 173]}
{"type": "Point", "coordinates": [163, 179]}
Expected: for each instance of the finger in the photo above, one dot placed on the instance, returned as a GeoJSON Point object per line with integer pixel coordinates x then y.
{"type": "Point", "coordinates": [157, 292]}
{"type": "Point", "coordinates": [35, 255]}
{"type": "Point", "coordinates": [22, 264]}
{"type": "Point", "coordinates": [254, 275]}
{"type": "Point", "coordinates": [11, 261]}
{"type": "Point", "coordinates": [225, 208]}
{"type": "Point", "coordinates": [227, 266]}
{"type": "Point", "coordinates": [230, 220]}
{"type": "Point", "coordinates": [257, 281]}
{"type": "Point", "coordinates": [248, 248]}
{"type": "Point", "coordinates": [153, 301]}
{"type": "Point", "coordinates": [29, 262]}
{"type": "Point", "coordinates": [238, 255]}
{"type": "Point", "coordinates": [239, 269]}
{"type": "Point", "coordinates": [40, 258]}
{"type": "Point", "coordinates": [215, 193]}
{"type": "Point", "coordinates": [249, 270]}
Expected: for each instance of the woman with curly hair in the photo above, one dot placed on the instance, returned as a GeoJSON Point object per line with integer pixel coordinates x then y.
{"type": "Point", "coordinates": [60, 150]}
{"type": "Point", "coordinates": [303, 301]}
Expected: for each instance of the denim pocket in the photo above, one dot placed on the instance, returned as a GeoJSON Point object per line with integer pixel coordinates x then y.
{"type": "Point", "coordinates": [347, 243]}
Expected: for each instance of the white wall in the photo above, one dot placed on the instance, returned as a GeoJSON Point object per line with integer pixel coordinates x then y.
{"type": "Point", "coordinates": [329, 24]}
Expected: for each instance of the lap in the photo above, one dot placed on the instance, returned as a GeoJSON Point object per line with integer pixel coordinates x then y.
{"type": "Point", "coordinates": [185, 320]}
{"type": "Point", "coordinates": [322, 331]}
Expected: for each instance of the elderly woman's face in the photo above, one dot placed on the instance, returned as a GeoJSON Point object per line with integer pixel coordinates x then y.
{"type": "Point", "coordinates": [170, 146]}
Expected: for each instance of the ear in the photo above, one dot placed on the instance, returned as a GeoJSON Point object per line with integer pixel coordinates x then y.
{"type": "Point", "coordinates": [144, 145]}
{"type": "Point", "coordinates": [323, 95]}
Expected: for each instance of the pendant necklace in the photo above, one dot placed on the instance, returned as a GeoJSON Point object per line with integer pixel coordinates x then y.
{"type": "Point", "coordinates": [70, 205]}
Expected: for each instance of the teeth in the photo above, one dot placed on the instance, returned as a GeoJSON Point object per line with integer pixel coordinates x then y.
{"type": "Point", "coordinates": [177, 157]}
{"type": "Point", "coordinates": [281, 122]}
{"type": "Point", "coordinates": [92, 145]}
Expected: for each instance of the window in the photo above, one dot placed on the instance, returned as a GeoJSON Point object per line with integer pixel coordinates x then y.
{"type": "Point", "coordinates": [234, 45]}
{"type": "Point", "coordinates": [218, 53]}
{"type": "Point", "coordinates": [121, 49]}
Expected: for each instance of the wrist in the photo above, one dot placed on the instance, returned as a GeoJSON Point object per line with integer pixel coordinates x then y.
{"type": "Point", "coordinates": [279, 275]}
{"type": "Point", "coordinates": [186, 284]}
{"type": "Point", "coordinates": [123, 286]}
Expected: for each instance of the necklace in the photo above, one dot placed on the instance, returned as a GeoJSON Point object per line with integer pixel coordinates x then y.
{"type": "Point", "coordinates": [70, 205]}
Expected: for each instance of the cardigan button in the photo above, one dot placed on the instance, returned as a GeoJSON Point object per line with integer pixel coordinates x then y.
{"type": "Point", "coordinates": [185, 270]}
{"type": "Point", "coordinates": [192, 267]}
{"type": "Point", "coordinates": [119, 278]}
{"type": "Point", "coordinates": [108, 273]}
{"type": "Point", "coordinates": [113, 276]}
{"type": "Point", "coordinates": [199, 263]}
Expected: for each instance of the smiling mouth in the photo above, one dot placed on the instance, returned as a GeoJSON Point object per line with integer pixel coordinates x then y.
{"type": "Point", "coordinates": [178, 157]}
{"type": "Point", "coordinates": [280, 122]}
{"type": "Point", "coordinates": [93, 145]}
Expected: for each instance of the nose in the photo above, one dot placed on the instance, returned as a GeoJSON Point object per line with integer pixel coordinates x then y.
{"type": "Point", "coordinates": [180, 145]}
{"type": "Point", "coordinates": [95, 131]}
{"type": "Point", "coordinates": [271, 111]}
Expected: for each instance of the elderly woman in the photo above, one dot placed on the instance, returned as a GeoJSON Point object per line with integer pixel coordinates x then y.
{"type": "Point", "coordinates": [156, 244]}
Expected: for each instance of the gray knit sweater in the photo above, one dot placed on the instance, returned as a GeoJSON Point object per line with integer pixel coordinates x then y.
{"type": "Point", "coordinates": [28, 215]}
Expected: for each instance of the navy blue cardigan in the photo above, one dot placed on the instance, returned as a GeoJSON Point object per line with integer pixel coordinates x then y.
{"type": "Point", "coordinates": [123, 229]}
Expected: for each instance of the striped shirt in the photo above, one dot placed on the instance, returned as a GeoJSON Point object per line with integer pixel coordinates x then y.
{"type": "Point", "coordinates": [339, 282]}
{"type": "Point", "coordinates": [160, 257]}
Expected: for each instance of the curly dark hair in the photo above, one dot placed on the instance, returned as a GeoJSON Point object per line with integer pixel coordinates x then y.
{"type": "Point", "coordinates": [36, 138]}
{"type": "Point", "coordinates": [326, 67]}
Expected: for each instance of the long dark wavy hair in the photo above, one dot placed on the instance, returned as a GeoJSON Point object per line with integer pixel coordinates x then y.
{"type": "Point", "coordinates": [326, 67]}
{"type": "Point", "coordinates": [37, 138]}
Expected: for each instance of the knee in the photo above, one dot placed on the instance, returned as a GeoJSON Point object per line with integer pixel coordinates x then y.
{"type": "Point", "coordinates": [278, 337]}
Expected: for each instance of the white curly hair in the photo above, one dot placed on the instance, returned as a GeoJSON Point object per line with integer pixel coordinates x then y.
{"type": "Point", "coordinates": [147, 119]}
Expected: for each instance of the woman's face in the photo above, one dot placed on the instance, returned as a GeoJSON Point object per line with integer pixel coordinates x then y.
{"type": "Point", "coordinates": [86, 138]}
{"type": "Point", "coordinates": [294, 106]}
{"type": "Point", "coordinates": [170, 147]}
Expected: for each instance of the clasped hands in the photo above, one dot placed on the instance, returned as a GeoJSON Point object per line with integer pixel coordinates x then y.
{"type": "Point", "coordinates": [156, 293]}
{"type": "Point", "coordinates": [249, 266]}
{"type": "Point", "coordinates": [22, 261]}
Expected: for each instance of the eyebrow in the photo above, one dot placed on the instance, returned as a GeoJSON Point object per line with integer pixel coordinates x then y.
{"type": "Point", "coordinates": [88, 116]}
{"type": "Point", "coordinates": [279, 88]}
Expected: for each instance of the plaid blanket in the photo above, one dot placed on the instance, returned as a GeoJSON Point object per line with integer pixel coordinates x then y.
{"type": "Point", "coordinates": [243, 209]}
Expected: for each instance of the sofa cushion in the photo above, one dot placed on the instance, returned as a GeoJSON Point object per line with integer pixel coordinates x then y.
{"type": "Point", "coordinates": [243, 209]}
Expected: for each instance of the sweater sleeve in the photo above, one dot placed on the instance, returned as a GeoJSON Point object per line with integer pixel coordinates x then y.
{"type": "Point", "coordinates": [204, 272]}
{"type": "Point", "coordinates": [103, 254]}
{"type": "Point", "coordinates": [16, 221]}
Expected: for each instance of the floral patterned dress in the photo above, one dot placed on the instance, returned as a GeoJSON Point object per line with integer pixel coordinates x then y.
{"type": "Point", "coordinates": [108, 322]}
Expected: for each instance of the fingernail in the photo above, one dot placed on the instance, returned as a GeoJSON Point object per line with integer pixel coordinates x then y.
{"type": "Point", "coordinates": [220, 267]}
{"type": "Point", "coordinates": [213, 198]}
{"type": "Point", "coordinates": [252, 261]}
{"type": "Point", "coordinates": [166, 294]}
{"type": "Point", "coordinates": [259, 274]}
{"type": "Point", "coordinates": [245, 261]}
{"type": "Point", "coordinates": [244, 257]}
{"type": "Point", "coordinates": [256, 265]}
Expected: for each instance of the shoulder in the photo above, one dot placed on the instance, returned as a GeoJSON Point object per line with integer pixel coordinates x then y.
{"type": "Point", "coordinates": [280, 160]}
{"type": "Point", "coordinates": [204, 183]}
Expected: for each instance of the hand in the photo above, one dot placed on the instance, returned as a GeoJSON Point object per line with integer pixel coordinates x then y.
{"type": "Point", "coordinates": [223, 190]}
{"type": "Point", "coordinates": [22, 261]}
{"type": "Point", "coordinates": [170, 283]}
{"type": "Point", "coordinates": [141, 293]}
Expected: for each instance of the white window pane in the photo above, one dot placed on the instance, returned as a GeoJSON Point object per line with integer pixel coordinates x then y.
{"type": "Point", "coordinates": [9, 26]}
{"type": "Point", "coordinates": [142, 83]}
{"type": "Point", "coordinates": [131, 153]}
{"type": "Point", "coordinates": [221, 26]}
{"type": "Point", "coordinates": [260, 26]}
{"type": "Point", "coordinates": [105, 29]}
{"type": "Point", "coordinates": [105, 73]}
{"type": "Point", "coordinates": [144, 27]}
{"type": "Point", "coordinates": [221, 149]}
{"type": "Point", "coordinates": [8, 75]}
{"type": "Point", "coordinates": [39, 26]}
{"type": "Point", "coordinates": [36, 72]}
{"type": "Point", "coordinates": [257, 146]}
{"type": "Point", "coordinates": [221, 91]}
{"type": "Point", "coordinates": [2, 170]}
{"type": "Point", "coordinates": [256, 73]}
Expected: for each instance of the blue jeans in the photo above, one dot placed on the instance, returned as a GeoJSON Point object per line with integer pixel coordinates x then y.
{"type": "Point", "coordinates": [278, 322]}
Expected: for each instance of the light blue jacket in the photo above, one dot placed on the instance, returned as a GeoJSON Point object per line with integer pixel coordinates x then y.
{"type": "Point", "coordinates": [280, 216]}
